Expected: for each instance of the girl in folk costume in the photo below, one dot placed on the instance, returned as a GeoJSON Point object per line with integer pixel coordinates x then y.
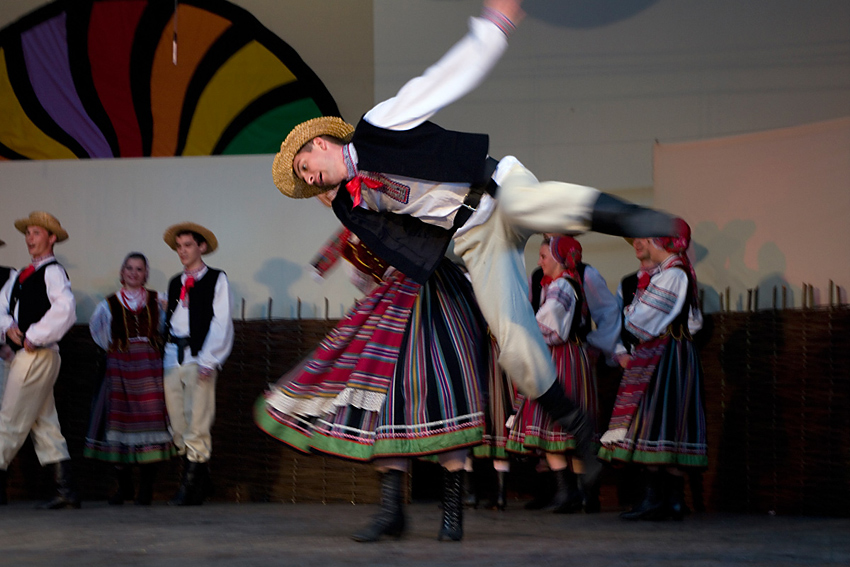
{"type": "Point", "coordinates": [129, 423]}
{"type": "Point", "coordinates": [564, 320]}
{"type": "Point", "coordinates": [399, 377]}
{"type": "Point", "coordinates": [659, 414]}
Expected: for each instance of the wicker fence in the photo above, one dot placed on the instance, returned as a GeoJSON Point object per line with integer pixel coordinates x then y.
{"type": "Point", "coordinates": [777, 391]}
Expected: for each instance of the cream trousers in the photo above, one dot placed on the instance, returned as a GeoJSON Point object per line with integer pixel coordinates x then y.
{"type": "Point", "coordinates": [28, 407]}
{"type": "Point", "coordinates": [494, 254]}
{"type": "Point", "coordinates": [190, 402]}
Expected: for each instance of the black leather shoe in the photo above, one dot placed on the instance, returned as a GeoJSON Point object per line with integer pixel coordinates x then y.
{"type": "Point", "coordinates": [66, 496]}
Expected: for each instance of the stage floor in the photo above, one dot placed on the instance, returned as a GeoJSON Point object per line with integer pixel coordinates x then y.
{"type": "Point", "coordinates": [225, 534]}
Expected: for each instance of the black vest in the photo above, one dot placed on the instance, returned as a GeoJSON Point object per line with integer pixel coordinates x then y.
{"type": "Point", "coordinates": [200, 306]}
{"type": "Point", "coordinates": [4, 275]}
{"type": "Point", "coordinates": [426, 152]}
{"type": "Point", "coordinates": [32, 297]}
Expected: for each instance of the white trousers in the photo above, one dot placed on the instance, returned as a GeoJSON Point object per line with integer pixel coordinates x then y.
{"type": "Point", "coordinates": [28, 407]}
{"type": "Point", "coordinates": [190, 402]}
{"type": "Point", "coordinates": [494, 254]}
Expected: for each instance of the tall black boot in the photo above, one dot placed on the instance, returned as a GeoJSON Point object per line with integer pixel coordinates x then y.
{"type": "Point", "coordinates": [452, 528]}
{"type": "Point", "coordinates": [652, 507]}
{"type": "Point", "coordinates": [501, 490]}
{"type": "Point", "coordinates": [567, 495]}
{"type": "Point", "coordinates": [124, 479]}
{"type": "Point", "coordinates": [186, 493]}
{"type": "Point", "coordinates": [544, 488]}
{"type": "Point", "coordinates": [147, 474]}
{"type": "Point", "coordinates": [620, 218]}
{"type": "Point", "coordinates": [470, 494]}
{"type": "Point", "coordinates": [202, 488]}
{"type": "Point", "coordinates": [676, 497]}
{"type": "Point", "coordinates": [390, 520]}
{"type": "Point", "coordinates": [590, 492]}
{"type": "Point", "coordinates": [3, 498]}
{"type": "Point", "coordinates": [572, 419]}
{"type": "Point", "coordinates": [66, 495]}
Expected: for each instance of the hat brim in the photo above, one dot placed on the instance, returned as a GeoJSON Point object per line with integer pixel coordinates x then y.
{"type": "Point", "coordinates": [284, 176]}
{"type": "Point", "coordinates": [45, 221]}
{"type": "Point", "coordinates": [170, 235]}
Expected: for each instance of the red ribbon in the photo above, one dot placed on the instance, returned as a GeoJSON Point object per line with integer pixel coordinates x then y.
{"type": "Point", "coordinates": [189, 284]}
{"type": "Point", "coordinates": [354, 187]}
{"type": "Point", "coordinates": [643, 280]}
{"type": "Point", "coordinates": [25, 273]}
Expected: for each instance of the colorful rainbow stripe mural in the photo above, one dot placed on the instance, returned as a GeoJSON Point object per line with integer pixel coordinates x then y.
{"type": "Point", "coordinates": [96, 79]}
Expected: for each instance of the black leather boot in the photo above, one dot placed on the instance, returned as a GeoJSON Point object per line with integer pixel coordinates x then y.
{"type": "Point", "coordinates": [147, 474]}
{"type": "Point", "coordinates": [124, 479]}
{"type": "Point", "coordinates": [501, 490]}
{"type": "Point", "coordinates": [620, 218]}
{"type": "Point", "coordinates": [470, 495]}
{"type": "Point", "coordinates": [676, 497]}
{"type": "Point", "coordinates": [590, 492]}
{"type": "Point", "coordinates": [544, 488]}
{"type": "Point", "coordinates": [390, 520]}
{"type": "Point", "coordinates": [452, 528]}
{"type": "Point", "coordinates": [3, 498]}
{"type": "Point", "coordinates": [567, 495]}
{"type": "Point", "coordinates": [572, 419]}
{"type": "Point", "coordinates": [66, 495]}
{"type": "Point", "coordinates": [653, 505]}
{"type": "Point", "coordinates": [186, 494]}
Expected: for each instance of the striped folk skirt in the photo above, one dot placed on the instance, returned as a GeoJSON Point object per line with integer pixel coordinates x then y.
{"type": "Point", "coordinates": [668, 427]}
{"type": "Point", "coordinates": [129, 423]}
{"type": "Point", "coordinates": [502, 401]}
{"type": "Point", "coordinates": [400, 376]}
{"type": "Point", "coordinates": [533, 429]}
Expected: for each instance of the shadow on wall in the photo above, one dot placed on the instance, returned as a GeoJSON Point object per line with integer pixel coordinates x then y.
{"type": "Point", "coordinates": [585, 13]}
{"type": "Point", "coordinates": [718, 254]}
{"type": "Point", "coordinates": [278, 275]}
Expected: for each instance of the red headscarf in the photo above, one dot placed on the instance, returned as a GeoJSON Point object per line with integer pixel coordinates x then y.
{"type": "Point", "coordinates": [566, 250]}
{"type": "Point", "coordinates": [679, 245]}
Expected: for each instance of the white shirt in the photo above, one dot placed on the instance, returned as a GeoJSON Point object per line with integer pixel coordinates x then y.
{"type": "Point", "coordinates": [557, 308]}
{"type": "Point", "coordinates": [58, 320]}
{"type": "Point", "coordinates": [605, 311]}
{"type": "Point", "coordinates": [457, 73]}
{"type": "Point", "coordinates": [219, 341]}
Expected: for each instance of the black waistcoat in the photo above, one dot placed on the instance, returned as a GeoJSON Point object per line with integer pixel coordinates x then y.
{"type": "Point", "coordinates": [429, 153]}
{"type": "Point", "coordinates": [32, 299]}
{"type": "Point", "coordinates": [200, 306]}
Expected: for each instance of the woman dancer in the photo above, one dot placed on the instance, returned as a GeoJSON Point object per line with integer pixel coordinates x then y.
{"type": "Point", "coordinates": [129, 424]}
{"type": "Point", "coordinates": [659, 415]}
{"type": "Point", "coordinates": [399, 377]}
{"type": "Point", "coordinates": [564, 320]}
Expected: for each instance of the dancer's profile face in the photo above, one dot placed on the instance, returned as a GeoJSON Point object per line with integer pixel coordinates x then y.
{"type": "Point", "coordinates": [547, 262]}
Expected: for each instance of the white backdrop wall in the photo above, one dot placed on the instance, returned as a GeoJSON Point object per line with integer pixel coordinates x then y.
{"type": "Point", "coordinates": [583, 93]}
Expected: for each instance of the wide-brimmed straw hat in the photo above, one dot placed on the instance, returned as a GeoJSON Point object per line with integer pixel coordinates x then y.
{"type": "Point", "coordinates": [170, 236]}
{"type": "Point", "coordinates": [44, 220]}
{"type": "Point", "coordinates": [284, 176]}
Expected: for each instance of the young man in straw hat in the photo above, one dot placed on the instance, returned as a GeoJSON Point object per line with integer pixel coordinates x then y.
{"type": "Point", "coordinates": [410, 187]}
{"type": "Point", "coordinates": [200, 337]}
{"type": "Point", "coordinates": [37, 308]}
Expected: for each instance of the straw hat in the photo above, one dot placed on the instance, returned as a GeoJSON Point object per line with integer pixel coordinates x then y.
{"type": "Point", "coordinates": [44, 220]}
{"type": "Point", "coordinates": [170, 236]}
{"type": "Point", "coordinates": [284, 176]}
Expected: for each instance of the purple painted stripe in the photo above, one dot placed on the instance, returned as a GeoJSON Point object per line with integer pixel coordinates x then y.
{"type": "Point", "coordinates": [46, 54]}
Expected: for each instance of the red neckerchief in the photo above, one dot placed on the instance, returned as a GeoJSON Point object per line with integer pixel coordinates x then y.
{"type": "Point", "coordinates": [354, 185]}
{"type": "Point", "coordinates": [25, 273]}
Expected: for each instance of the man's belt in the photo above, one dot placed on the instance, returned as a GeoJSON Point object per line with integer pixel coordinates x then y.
{"type": "Point", "coordinates": [181, 343]}
{"type": "Point", "coordinates": [473, 198]}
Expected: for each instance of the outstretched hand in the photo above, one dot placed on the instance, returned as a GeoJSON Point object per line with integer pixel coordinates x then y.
{"type": "Point", "coordinates": [512, 9]}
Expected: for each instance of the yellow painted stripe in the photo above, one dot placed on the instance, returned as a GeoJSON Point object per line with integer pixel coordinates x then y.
{"type": "Point", "coordinates": [17, 131]}
{"type": "Point", "coordinates": [251, 72]}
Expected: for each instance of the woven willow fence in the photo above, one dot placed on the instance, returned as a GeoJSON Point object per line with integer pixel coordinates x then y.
{"type": "Point", "coordinates": [777, 392]}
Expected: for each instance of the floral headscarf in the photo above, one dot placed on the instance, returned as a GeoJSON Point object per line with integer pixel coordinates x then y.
{"type": "Point", "coordinates": [566, 250]}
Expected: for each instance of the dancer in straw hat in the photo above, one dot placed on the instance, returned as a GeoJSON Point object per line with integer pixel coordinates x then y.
{"type": "Point", "coordinates": [200, 337]}
{"type": "Point", "coordinates": [37, 308]}
{"type": "Point", "coordinates": [412, 187]}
